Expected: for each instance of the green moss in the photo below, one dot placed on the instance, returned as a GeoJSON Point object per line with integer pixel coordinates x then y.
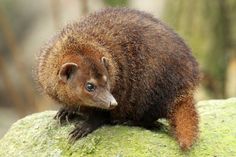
{"type": "Point", "coordinates": [40, 135]}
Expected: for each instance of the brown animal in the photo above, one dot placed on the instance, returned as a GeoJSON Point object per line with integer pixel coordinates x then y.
{"type": "Point", "coordinates": [121, 65]}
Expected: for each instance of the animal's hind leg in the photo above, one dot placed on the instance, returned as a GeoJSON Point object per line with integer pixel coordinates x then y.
{"type": "Point", "coordinates": [184, 122]}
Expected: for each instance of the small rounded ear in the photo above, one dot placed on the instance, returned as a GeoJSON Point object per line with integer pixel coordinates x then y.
{"type": "Point", "coordinates": [67, 71]}
{"type": "Point", "coordinates": [105, 62]}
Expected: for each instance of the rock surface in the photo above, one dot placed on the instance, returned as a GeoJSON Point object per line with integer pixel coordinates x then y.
{"type": "Point", "coordinates": [40, 135]}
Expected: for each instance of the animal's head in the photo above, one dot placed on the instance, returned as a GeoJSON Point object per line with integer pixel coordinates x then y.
{"type": "Point", "coordinates": [87, 82]}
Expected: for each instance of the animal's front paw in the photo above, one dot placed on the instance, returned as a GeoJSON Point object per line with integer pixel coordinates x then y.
{"type": "Point", "coordinates": [67, 115]}
{"type": "Point", "coordinates": [81, 130]}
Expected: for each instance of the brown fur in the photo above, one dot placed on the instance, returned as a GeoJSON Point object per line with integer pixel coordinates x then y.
{"type": "Point", "coordinates": [183, 119]}
{"type": "Point", "coordinates": [152, 73]}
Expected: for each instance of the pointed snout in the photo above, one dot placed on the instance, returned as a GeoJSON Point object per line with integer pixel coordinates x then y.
{"type": "Point", "coordinates": [107, 99]}
{"type": "Point", "coordinates": [113, 103]}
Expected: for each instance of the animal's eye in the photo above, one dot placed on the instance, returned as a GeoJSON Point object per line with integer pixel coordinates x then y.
{"type": "Point", "coordinates": [90, 87]}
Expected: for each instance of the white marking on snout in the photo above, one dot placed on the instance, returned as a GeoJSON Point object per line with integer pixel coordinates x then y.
{"type": "Point", "coordinates": [113, 102]}
{"type": "Point", "coordinates": [104, 77]}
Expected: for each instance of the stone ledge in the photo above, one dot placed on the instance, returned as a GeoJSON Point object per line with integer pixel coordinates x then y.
{"type": "Point", "coordinates": [40, 135]}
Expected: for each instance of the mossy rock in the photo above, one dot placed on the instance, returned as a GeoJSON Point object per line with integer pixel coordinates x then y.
{"type": "Point", "coordinates": [40, 135]}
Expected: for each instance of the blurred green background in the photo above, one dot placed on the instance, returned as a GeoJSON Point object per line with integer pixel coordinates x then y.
{"type": "Point", "coordinates": [208, 27]}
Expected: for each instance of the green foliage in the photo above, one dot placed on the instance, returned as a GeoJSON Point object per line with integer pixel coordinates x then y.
{"type": "Point", "coordinates": [205, 27]}
{"type": "Point", "coordinates": [116, 3]}
{"type": "Point", "coordinates": [231, 9]}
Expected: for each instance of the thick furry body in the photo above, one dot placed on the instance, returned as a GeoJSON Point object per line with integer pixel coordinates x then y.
{"type": "Point", "coordinates": [152, 73]}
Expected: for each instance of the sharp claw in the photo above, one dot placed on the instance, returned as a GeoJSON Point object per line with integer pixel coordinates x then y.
{"type": "Point", "coordinates": [79, 132]}
{"type": "Point", "coordinates": [71, 140]}
{"type": "Point", "coordinates": [62, 117]}
{"type": "Point", "coordinates": [85, 133]}
{"type": "Point", "coordinates": [72, 133]}
{"type": "Point", "coordinates": [65, 115]}
{"type": "Point", "coordinates": [77, 136]}
{"type": "Point", "coordinates": [67, 119]}
{"type": "Point", "coordinates": [60, 122]}
{"type": "Point", "coordinates": [57, 116]}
